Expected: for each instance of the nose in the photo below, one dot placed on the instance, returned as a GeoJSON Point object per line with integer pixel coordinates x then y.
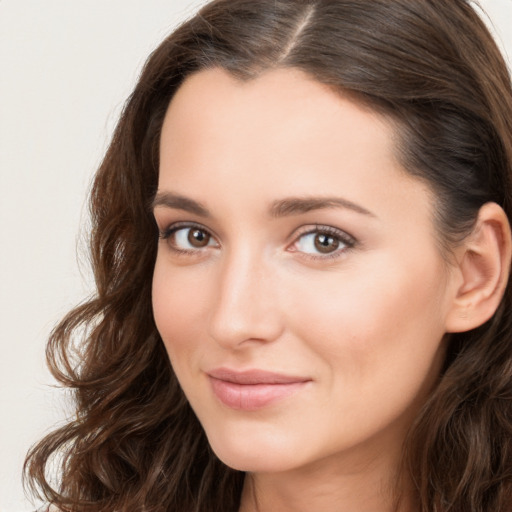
{"type": "Point", "coordinates": [245, 306]}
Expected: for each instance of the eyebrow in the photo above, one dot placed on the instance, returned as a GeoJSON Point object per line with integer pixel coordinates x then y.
{"type": "Point", "coordinates": [179, 202]}
{"type": "Point", "coordinates": [300, 205]}
{"type": "Point", "coordinates": [280, 208]}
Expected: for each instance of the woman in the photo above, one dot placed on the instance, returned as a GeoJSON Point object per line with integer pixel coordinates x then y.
{"type": "Point", "coordinates": [302, 250]}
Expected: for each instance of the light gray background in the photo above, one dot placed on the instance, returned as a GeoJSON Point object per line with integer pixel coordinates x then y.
{"type": "Point", "coordinates": [66, 68]}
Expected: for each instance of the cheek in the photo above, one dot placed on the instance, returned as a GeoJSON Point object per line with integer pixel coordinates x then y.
{"type": "Point", "coordinates": [377, 345]}
{"type": "Point", "coordinates": [385, 322]}
{"type": "Point", "coordinates": [179, 309]}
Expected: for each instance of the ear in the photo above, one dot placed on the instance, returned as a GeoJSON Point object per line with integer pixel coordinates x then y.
{"type": "Point", "coordinates": [483, 264]}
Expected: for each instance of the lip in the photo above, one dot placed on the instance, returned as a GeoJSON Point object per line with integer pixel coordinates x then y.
{"type": "Point", "coordinates": [251, 390]}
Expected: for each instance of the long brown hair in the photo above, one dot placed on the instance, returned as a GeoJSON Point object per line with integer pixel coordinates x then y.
{"type": "Point", "coordinates": [429, 65]}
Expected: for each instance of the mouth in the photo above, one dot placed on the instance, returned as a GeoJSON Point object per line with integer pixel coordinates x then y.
{"type": "Point", "coordinates": [254, 389]}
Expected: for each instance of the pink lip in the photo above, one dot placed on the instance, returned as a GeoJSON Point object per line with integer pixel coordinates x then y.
{"type": "Point", "coordinates": [253, 389]}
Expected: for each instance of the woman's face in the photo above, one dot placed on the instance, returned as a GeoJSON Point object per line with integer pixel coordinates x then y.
{"type": "Point", "coordinates": [298, 287]}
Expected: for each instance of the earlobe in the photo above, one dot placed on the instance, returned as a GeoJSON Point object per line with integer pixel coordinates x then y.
{"type": "Point", "coordinates": [483, 262]}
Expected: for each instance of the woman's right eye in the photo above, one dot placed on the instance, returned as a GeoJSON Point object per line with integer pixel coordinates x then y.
{"type": "Point", "coordinates": [188, 238]}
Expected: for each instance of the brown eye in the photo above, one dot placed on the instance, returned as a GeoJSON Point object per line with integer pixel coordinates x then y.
{"type": "Point", "coordinates": [188, 238]}
{"type": "Point", "coordinates": [325, 243]}
{"type": "Point", "coordinates": [198, 238]}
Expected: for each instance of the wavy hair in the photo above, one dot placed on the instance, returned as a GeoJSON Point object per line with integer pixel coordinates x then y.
{"type": "Point", "coordinates": [429, 65]}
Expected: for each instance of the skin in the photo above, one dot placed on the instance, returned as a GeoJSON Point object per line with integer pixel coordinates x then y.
{"type": "Point", "coordinates": [365, 323]}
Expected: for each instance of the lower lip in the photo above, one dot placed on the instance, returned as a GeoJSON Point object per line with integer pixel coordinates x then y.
{"type": "Point", "coordinates": [251, 397]}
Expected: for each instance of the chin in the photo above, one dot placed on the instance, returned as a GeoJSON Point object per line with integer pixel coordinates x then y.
{"type": "Point", "coordinates": [255, 461]}
{"type": "Point", "coordinates": [255, 455]}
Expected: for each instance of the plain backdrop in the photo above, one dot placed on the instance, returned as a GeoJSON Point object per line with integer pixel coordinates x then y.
{"type": "Point", "coordinates": [66, 68]}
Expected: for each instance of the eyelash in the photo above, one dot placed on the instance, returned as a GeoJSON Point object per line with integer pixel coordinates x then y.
{"type": "Point", "coordinates": [348, 241]}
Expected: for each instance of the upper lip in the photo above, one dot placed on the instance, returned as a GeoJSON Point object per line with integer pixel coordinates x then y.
{"type": "Point", "coordinates": [255, 376]}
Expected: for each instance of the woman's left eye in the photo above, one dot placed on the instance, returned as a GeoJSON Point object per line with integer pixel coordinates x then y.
{"type": "Point", "coordinates": [324, 242]}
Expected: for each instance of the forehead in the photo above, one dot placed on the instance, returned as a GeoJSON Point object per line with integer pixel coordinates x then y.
{"type": "Point", "coordinates": [282, 112]}
{"type": "Point", "coordinates": [281, 134]}
{"type": "Point", "coordinates": [286, 94]}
